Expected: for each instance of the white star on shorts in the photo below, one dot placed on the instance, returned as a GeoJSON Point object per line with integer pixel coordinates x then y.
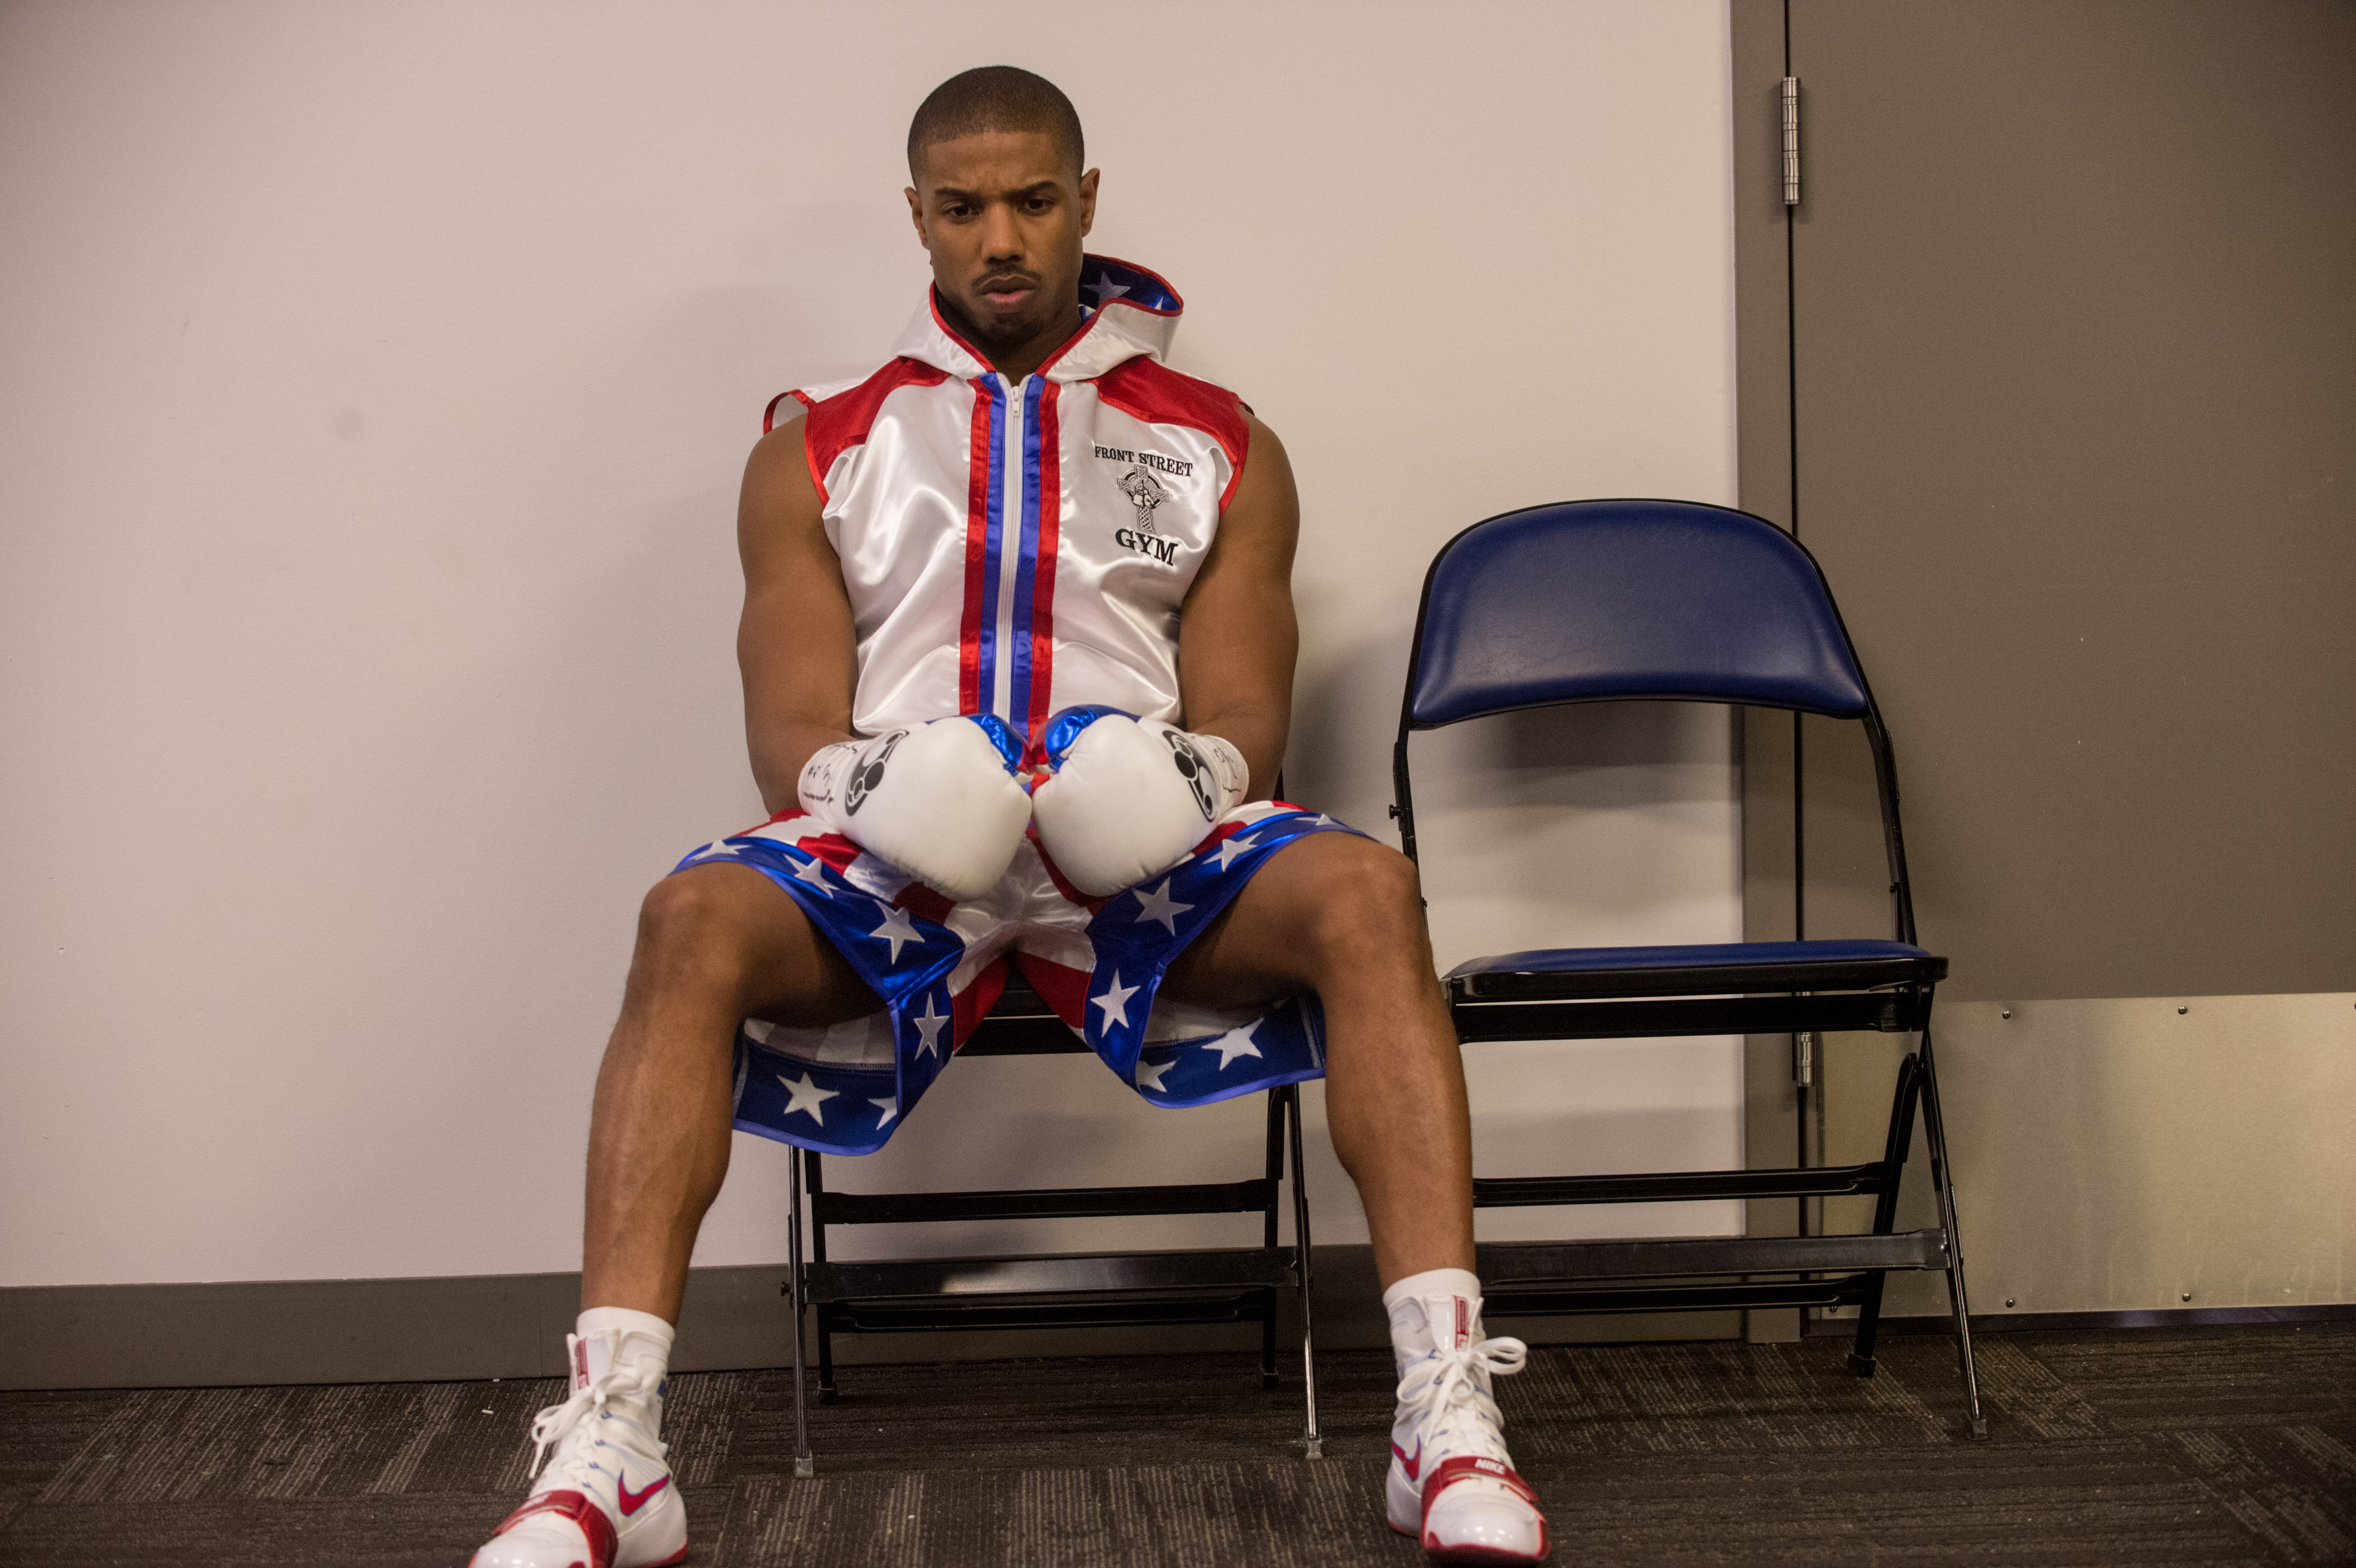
{"type": "Point", "coordinates": [891, 1107]}
{"type": "Point", "coordinates": [813, 871]}
{"type": "Point", "coordinates": [1234, 846]}
{"type": "Point", "coordinates": [717, 847]}
{"type": "Point", "coordinates": [807, 1096]}
{"type": "Point", "coordinates": [897, 928]}
{"type": "Point", "coordinates": [1115, 1002]}
{"type": "Point", "coordinates": [928, 1024]}
{"type": "Point", "coordinates": [1234, 1043]}
{"type": "Point", "coordinates": [1159, 905]}
{"type": "Point", "coordinates": [1149, 1075]}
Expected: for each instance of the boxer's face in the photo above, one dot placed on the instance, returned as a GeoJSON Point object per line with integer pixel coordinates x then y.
{"type": "Point", "coordinates": [1002, 215]}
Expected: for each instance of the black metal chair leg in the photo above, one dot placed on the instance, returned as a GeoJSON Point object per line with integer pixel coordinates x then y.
{"type": "Point", "coordinates": [1942, 1181]}
{"type": "Point", "coordinates": [1268, 1233]}
{"type": "Point", "coordinates": [1316, 1441]}
{"type": "Point", "coordinates": [1885, 1208]}
{"type": "Point", "coordinates": [804, 1466]}
{"type": "Point", "coordinates": [822, 1317]}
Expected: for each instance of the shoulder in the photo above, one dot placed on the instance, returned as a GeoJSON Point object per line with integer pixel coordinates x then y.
{"type": "Point", "coordinates": [1264, 486]}
{"type": "Point", "coordinates": [779, 485]}
{"type": "Point", "coordinates": [833, 418]}
{"type": "Point", "coordinates": [1148, 389]}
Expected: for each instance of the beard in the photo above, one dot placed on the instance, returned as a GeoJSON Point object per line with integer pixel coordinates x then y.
{"type": "Point", "coordinates": [996, 334]}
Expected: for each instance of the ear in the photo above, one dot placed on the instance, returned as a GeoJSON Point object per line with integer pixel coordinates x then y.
{"type": "Point", "coordinates": [916, 216]}
{"type": "Point", "coordinates": [1088, 201]}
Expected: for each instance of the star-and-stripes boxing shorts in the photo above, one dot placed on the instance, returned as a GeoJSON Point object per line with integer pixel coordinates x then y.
{"type": "Point", "coordinates": [941, 967]}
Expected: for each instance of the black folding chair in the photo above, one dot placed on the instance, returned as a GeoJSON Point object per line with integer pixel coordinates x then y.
{"type": "Point", "coordinates": [1652, 601]}
{"type": "Point", "coordinates": [1053, 1291]}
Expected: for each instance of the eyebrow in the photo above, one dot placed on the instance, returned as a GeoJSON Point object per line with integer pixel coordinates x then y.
{"type": "Point", "coordinates": [952, 193]}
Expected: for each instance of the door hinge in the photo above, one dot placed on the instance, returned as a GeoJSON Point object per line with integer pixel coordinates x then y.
{"type": "Point", "coordinates": [1804, 1059]}
{"type": "Point", "coordinates": [1791, 140]}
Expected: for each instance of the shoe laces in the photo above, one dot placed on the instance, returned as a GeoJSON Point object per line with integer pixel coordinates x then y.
{"type": "Point", "coordinates": [1449, 1391]}
{"type": "Point", "coordinates": [556, 1426]}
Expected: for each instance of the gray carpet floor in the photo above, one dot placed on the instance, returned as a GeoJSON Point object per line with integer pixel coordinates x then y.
{"type": "Point", "coordinates": [2214, 1445]}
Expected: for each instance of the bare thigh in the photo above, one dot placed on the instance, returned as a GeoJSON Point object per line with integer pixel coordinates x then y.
{"type": "Point", "coordinates": [1279, 936]}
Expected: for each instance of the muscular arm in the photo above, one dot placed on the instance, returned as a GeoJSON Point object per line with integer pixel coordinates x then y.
{"type": "Point", "coordinates": [795, 644]}
{"type": "Point", "coordinates": [1237, 638]}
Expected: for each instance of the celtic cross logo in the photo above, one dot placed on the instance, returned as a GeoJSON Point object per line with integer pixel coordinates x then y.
{"type": "Point", "coordinates": [1144, 493]}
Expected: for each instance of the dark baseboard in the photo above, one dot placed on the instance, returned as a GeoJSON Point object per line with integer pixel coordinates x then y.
{"type": "Point", "coordinates": [2030, 1322]}
{"type": "Point", "coordinates": [242, 1333]}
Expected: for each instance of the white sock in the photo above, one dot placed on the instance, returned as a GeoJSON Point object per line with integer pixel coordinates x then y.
{"type": "Point", "coordinates": [1411, 1336]}
{"type": "Point", "coordinates": [601, 1334]}
{"type": "Point", "coordinates": [625, 1321]}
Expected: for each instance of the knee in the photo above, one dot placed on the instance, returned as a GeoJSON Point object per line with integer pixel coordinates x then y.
{"type": "Point", "coordinates": [690, 932]}
{"type": "Point", "coordinates": [1370, 910]}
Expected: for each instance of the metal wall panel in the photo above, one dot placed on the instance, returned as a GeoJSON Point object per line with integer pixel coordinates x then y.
{"type": "Point", "coordinates": [2074, 319]}
{"type": "Point", "coordinates": [2126, 1155]}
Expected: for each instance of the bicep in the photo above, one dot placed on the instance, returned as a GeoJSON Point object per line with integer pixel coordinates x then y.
{"type": "Point", "coordinates": [1237, 638]}
{"type": "Point", "coordinates": [795, 643]}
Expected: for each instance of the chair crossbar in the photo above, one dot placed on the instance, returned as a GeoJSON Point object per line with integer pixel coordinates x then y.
{"type": "Point", "coordinates": [1662, 1187]}
{"type": "Point", "coordinates": [1552, 984]}
{"type": "Point", "coordinates": [888, 1316]}
{"type": "Point", "coordinates": [1068, 1273]}
{"type": "Point", "coordinates": [1043, 1202]}
{"type": "Point", "coordinates": [1880, 1012]}
{"type": "Point", "coordinates": [1554, 1300]}
{"type": "Point", "coordinates": [1509, 1262]}
{"type": "Point", "coordinates": [1022, 1035]}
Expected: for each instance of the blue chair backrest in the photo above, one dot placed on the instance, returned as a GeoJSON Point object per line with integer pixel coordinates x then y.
{"type": "Point", "coordinates": [1598, 600]}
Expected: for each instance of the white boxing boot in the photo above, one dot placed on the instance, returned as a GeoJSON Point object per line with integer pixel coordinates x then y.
{"type": "Point", "coordinates": [605, 1498]}
{"type": "Point", "coordinates": [1125, 798]}
{"type": "Point", "coordinates": [939, 800]}
{"type": "Point", "coordinates": [1451, 1483]}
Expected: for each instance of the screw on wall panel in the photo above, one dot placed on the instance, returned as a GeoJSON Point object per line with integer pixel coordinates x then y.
{"type": "Point", "coordinates": [2184, 1009]}
{"type": "Point", "coordinates": [2008, 1012]}
{"type": "Point", "coordinates": [2186, 1296]}
{"type": "Point", "coordinates": [2007, 1301]}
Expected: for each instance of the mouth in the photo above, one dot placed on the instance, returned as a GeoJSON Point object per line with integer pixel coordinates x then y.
{"type": "Point", "coordinates": [1008, 293]}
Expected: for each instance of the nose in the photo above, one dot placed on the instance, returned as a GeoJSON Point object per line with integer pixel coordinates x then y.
{"type": "Point", "coordinates": [1002, 237]}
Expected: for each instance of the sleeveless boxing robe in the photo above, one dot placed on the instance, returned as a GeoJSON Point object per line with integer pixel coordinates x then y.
{"type": "Point", "coordinates": [1016, 547]}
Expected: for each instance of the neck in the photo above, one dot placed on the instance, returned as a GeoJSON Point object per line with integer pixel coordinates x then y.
{"type": "Point", "coordinates": [1015, 357]}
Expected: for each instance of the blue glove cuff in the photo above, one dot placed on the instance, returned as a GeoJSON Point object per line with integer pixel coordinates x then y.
{"type": "Point", "coordinates": [1009, 744]}
{"type": "Point", "coordinates": [1063, 730]}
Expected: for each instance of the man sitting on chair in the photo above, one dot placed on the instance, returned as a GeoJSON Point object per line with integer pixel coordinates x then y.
{"type": "Point", "coordinates": [1018, 645]}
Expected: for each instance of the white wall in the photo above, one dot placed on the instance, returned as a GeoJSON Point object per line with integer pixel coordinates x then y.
{"type": "Point", "coordinates": [375, 381]}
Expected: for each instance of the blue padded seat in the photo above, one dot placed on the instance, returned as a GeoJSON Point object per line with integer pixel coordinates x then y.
{"type": "Point", "coordinates": [1544, 974]}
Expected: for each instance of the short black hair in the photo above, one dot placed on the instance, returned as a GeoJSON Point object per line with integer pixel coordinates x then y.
{"type": "Point", "coordinates": [995, 98]}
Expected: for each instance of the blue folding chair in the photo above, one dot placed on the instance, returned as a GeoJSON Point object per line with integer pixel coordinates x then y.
{"type": "Point", "coordinates": [1671, 601]}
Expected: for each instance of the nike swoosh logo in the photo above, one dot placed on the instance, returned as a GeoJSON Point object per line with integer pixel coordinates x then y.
{"type": "Point", "coordinates": [633, 1501]}
{"type": "Point", "coordinates": [1409, 1466]}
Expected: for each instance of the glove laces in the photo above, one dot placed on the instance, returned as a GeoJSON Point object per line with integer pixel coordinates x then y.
{"type": "Point", "coordinates": [554, 1424]}
{"type": "Point", "coordinates": [1453, 1384]}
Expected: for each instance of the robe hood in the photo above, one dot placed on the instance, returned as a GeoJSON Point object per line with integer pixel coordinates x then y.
{"type": "Point", "coordinates": [1129, 312]}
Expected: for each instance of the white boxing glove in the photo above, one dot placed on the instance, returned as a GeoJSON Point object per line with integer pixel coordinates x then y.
{"type": "Point", "coordinates": [939, 801]}
{"type": "Point", "coordinates": [1129, 796]}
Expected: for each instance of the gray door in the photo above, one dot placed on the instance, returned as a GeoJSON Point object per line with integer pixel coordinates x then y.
{"type": "Point", "coordinates": [2053, 368]}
